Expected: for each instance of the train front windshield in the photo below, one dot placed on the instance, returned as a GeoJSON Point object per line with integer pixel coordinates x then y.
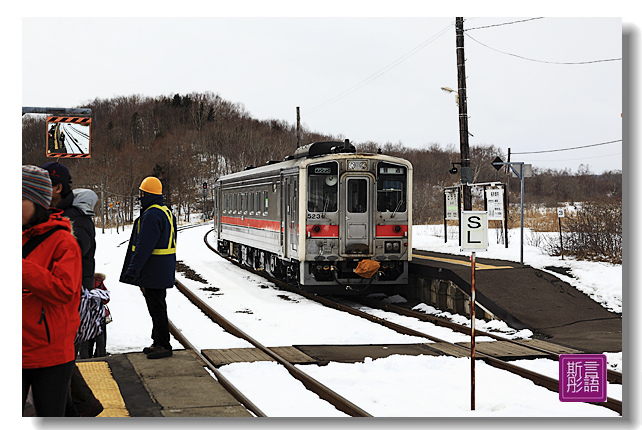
{"type": "Point", "coordinates": [323, 189]}
{"type": "Point", "coordinates": [391, 188]}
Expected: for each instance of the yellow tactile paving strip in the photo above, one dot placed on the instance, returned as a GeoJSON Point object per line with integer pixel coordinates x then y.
{"type": "Point", "coordinates": [98, 376]}
{"type": "Point", "coordinates": [478, 266]}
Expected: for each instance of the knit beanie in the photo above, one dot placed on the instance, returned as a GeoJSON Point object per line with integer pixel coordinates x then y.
{"type": "Point", "coordinates": [36, 185]}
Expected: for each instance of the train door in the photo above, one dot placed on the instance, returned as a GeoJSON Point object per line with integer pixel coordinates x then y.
{"type": "Point", "coordinates": [291, 201]}
{"type": "Point", "coordinates": [356, 215]}
{"type": "Point", "coordinates": [217, 211]}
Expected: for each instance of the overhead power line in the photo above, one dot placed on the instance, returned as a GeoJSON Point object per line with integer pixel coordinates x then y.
{"type": "Point", "coordinates": [381, 71]}
{"type": "Point", "coordinates": [601, 156]}
{"type": "Point", "coordinates": [543, 61]}
{"type": "Point", "coordinates": [568, 149]}
{"type": "Point", "coordinates": [504, 23]}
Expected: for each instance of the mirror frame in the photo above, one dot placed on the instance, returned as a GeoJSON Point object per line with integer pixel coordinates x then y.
{"type": "Point", "coordinates": [73, 127]}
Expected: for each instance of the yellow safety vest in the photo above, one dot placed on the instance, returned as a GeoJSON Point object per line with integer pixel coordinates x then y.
{"type": "Point", "coordinates": [171, 246]}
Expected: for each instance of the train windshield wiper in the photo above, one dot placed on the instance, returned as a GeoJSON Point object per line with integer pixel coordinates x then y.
{"type": "Point", "coordinates": [325, 205]}
{"type": "Point", "coordinates": [397, 208]}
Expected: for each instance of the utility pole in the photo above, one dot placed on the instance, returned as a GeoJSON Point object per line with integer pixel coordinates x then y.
{"type": "Point", "coordinates": [102, 204]}
{"type": "Point", "coordinates": [298, 128]}
{"type": "Point", "coordinates": [466, 172]}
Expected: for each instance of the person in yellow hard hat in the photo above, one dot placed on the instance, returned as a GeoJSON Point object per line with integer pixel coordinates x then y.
{"type": "Point", "coordinates": [150, 262]}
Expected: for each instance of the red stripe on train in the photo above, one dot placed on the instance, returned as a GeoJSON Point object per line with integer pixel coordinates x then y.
{"type": "Point", "coordinates": [322, 230]}
{"type": "Point", "coordinates": [392, 230]}
{"type": "Point", "coordinates": [262, 224]}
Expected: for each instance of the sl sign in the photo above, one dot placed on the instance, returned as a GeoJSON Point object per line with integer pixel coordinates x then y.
{"type": "Point", "coordinates": [474, 231]}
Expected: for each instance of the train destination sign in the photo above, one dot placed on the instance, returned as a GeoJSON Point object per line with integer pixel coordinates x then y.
{"type": "Point", "coordinates": [474, 231]}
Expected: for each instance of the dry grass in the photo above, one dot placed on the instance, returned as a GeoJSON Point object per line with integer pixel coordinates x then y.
{"type": "Point", "coordinates": [591, 231]}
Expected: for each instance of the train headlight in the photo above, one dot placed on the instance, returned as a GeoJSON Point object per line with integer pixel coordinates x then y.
{"type": "Point", "coordinates": [392, 247]}
{"type": "Point", "coordinates": [357, 165]}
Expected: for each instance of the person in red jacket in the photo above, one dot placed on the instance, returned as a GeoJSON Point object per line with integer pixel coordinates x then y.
{"type": "Point", "coordinates": [51, 282]}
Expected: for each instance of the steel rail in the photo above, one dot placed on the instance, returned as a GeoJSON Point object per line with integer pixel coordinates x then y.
{"type": "Point", "coordinates": [235, 392]}
{"type": "Point", "coordinates": [536, 378]}
{"type": "Point", "coordinates": [612, 376]}
{"type": "Point", "coordinates": [310, 383]}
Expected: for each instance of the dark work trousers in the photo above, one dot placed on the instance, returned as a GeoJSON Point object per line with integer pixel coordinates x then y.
{"type": "Point", "coordinates": [50, 388]}
{"type": "Point", "coordinates": [157, 307]}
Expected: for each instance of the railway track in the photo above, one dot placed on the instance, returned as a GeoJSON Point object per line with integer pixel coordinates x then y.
{"type": "Point", "coordinates": [238, 395]}
{"type": "Point", "coordinates": [310, 383]}
{"type": "Point", "coordinates": [613, 376]}
{"type": "Point", "coordinates": [539, 379]}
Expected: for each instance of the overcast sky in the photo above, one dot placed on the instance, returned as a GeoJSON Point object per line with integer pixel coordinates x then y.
{"type": "Point", "coordinates": [364, 79]}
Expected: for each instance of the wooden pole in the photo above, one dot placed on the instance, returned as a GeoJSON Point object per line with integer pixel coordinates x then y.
{"type": "Point", "coordinates": [559, 218]}
{"type": "Point", "coordinates": [298, 128]}
{"type": "Point", "coordinates": [463, 113]}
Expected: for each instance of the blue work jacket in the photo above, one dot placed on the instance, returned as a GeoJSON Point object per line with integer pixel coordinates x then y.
{"type": "Point", "coordinates": [150, 261]}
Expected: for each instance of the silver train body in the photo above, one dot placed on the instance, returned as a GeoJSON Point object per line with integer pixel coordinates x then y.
{"type": "Point", "coordinates": [313, 217]}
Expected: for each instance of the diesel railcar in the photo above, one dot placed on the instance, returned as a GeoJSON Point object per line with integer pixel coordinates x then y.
{"type": "Point", "coordinates": [316, 216]}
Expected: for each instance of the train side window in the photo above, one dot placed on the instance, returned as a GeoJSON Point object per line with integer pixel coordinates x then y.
{"type": "Point", "coordinates": [265, 200]}
{"type": "Point", "coordinates": [257, 203]}
{"type": "Point", "coordinates": [236, 202]}
{"type": "Point", "coordinates": [251, 203]}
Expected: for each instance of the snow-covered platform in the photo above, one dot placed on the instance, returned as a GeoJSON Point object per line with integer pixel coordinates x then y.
{"type": "Point", "coordinates": [528, 298]}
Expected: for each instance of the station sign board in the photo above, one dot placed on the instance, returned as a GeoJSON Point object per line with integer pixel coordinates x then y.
{"type": "Point", "coordinates": [495, 203]}
{"type": "Point", "coordinates": [452, 203]}
{"type": "Point", "coordinates": [474, 231]}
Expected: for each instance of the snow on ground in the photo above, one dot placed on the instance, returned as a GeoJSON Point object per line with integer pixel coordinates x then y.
{"type": "Point", "coordinates": [600, 281]}
{"type": "Point", "coordinates": [397, 386]}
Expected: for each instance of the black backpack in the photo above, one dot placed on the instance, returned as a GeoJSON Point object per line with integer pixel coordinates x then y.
{"type": "Point", "coordinates": [37, 240]}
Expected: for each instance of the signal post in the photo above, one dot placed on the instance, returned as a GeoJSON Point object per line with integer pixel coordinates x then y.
{"type": "Point", "coordinates": [474, 237]}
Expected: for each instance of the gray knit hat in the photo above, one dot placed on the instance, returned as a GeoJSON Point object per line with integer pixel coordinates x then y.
{"type": "Point", "coordinates": [36, 185]}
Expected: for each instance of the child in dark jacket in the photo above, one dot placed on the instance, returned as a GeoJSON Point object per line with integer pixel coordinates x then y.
{"type": "Point", "coordinates": [51, 282]}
